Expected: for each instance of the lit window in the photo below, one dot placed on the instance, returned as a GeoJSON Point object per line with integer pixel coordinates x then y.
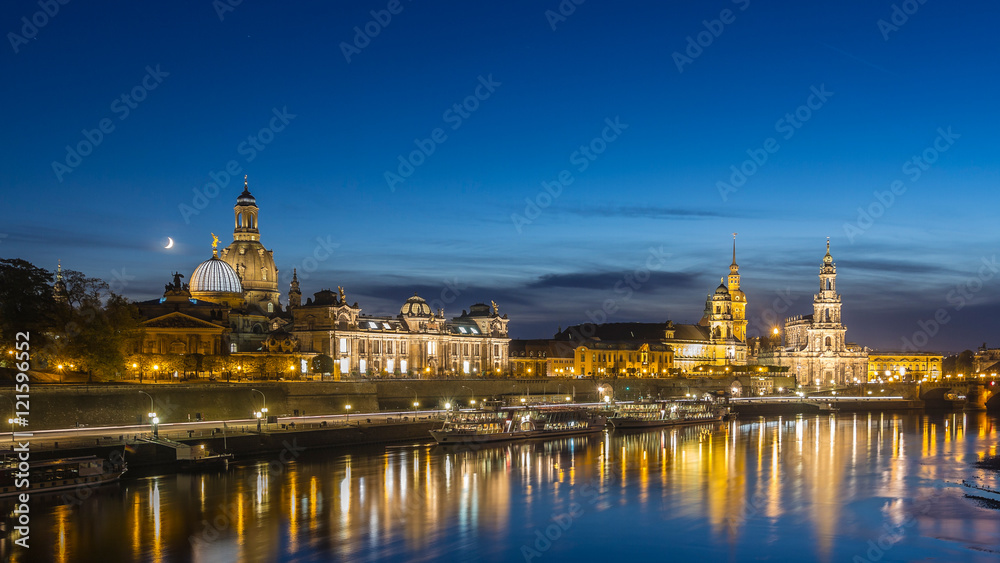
{"type": "Point", "coordinates": [389, 365]}
{"type": "Point", "coordinates": [363, 366]}
{"type": "Point", "coordinates": [270, 307]}
{"type": "Point", "coordinates": [232, 347]}
{"type": "Point", "coordinates": [371, 324]}
{"type": "Point", "coordinates": [461, 329]}
{"type": "Point", "coordinates": [343, 345]}
{"type": "Point", "coordinates": [474, 331]}
{"type": "Point", "coordinates": [386, 326]}
{"type": "Point", "coordinates": [402, 366]}
{"type": "Point", "coordinates": [345, 365]}
{"type": "Point", "coordinates": [465, 366]}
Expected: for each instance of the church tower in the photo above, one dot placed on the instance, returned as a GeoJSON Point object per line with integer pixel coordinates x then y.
{"type": "Point", "coordinates": [739, 299]}
{"type": "Point", "coordinates": [253, 263]}
{"type": "Point", "coordinates": [294, 293]}
{"type": "Point", "coordinates": [827, 330]}
{"type": "Point", "coordinates": [59, 292]}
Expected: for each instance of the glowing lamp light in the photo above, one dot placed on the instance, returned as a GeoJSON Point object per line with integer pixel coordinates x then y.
{"type": "Point", "coordinates": [446, 406]}
{"type": "Point", "coordinates": [156, 420]}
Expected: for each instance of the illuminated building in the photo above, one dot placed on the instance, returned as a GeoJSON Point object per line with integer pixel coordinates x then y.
{"type": "Point", "coordinates": [719, 338]}
{"type": "Point", "coordinates": [631, 359]}
{"type": "Point", "coordinates": [542, 358]}
{"type": "Point", "coordinates": [416, 342]}
{"type": "Point", "coordinates": [904, 366]}
{"type": "Point", "coordinates": [814, 347]}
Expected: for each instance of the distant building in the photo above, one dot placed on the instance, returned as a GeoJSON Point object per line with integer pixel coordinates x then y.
{"type": "Point", "coordinates": [542, 358]}
{"type": "Point", "coordinates": [986, 360]}
{"type": "Point", "coordinates": [903, 366]}
{"type": "Point", "coordinates": [626, 359]}
{"type": "Point", "coordinates": [815, 348]}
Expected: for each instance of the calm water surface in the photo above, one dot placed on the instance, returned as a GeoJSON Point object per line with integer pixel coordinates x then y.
{"type": "Point", "coordinates": [809, 488]}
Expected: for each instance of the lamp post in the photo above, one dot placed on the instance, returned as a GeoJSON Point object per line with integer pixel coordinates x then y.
{"type": "Point", "coordinates": [263, 410]}
{"type": "Point", "coordinates": [257, 414]}
{"type": "Point", "coordinates": [348, 416]}
{"type": "Point", "coordinates": [13, 419]}
{"type": "Point", "coordinates": [153, 420]}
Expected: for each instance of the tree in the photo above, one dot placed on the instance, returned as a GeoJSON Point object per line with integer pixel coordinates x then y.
{"type": "Point", "coordinates": [26, 303]}
{"type": "Point", "coordinates": [322, 364]}
{"type": "Point", "coordinates": [100, 337]}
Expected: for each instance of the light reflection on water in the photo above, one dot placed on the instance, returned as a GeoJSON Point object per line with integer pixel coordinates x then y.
{"type": "Point", "coordinates": [823, 488]}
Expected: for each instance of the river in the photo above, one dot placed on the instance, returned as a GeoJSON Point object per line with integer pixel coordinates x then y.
{"type": "Point", "coordinates": [844, 487]}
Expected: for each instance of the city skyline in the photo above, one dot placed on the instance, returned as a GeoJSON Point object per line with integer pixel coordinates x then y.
{"type": "Point", "coordinates": [545, 164]}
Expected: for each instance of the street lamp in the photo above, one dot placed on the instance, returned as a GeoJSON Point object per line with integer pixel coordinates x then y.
{"type": "Point", "coordinates": [348, 416]}
{"type": "Point", "coordinates": [153, 420]}
{"type": "Point", "coordinates": [416, 404]}
{"type": "Point", "coordinates": [258, 415]}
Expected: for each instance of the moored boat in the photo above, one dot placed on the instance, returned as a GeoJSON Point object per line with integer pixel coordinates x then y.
{"type": "Point", "coordinates": [650, 414]}
{"type": "Point", "coordinates": [58, 474]}
{"type": "Point", "coordinates": [504, 424]}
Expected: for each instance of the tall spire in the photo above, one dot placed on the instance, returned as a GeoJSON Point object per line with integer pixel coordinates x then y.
{"type": "Point", "coordinates": [59, 270]}
{"type": "Point", "coordinates": [734, 249]}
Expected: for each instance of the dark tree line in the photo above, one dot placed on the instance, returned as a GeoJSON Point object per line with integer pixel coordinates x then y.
{"type": "Point", "coordinates": [94, 329]}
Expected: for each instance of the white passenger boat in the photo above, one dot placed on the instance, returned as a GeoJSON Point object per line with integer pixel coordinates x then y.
{"type": "Point", "coordinates": [517, 423]}
{"type": "Point", "coordinates": [650, 414]}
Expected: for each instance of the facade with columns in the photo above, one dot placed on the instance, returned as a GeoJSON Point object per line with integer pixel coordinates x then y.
{"type": "Point", "coordinates": [814, 347]}
{"type": "Point", "coordinates": [417, 342]}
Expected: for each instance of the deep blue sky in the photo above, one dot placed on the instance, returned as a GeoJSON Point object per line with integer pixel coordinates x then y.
{"type": "Point", "coordinates": [323, 176]}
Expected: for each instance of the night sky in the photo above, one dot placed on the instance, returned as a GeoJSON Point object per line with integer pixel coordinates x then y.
{"type": "Point", "coordinates": [667, 100]}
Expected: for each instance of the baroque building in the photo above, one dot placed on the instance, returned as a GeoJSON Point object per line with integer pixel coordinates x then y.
{"type": "Point", "coordinates": [417, 342]}
{"type": "Point", "coordinates": [815, 349]}
{"type": "Point", "coordinates": [253, 263]}
{"type": "Point", "coordinates": [718, 339]}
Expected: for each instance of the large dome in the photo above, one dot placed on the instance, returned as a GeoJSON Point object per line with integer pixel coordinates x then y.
{"type": "Point", "coordinates": [415, 307]}
{"type": "Point", "coordinates": [215, 276]}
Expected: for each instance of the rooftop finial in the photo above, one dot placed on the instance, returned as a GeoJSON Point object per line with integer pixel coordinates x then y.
{"type": "Point", "coordinates": [215, 245]}
{"type": "Point", "coordinates": [734, 248]}
{"type": "Point", "coordinates": [59, 269]}
{"type": "Point", "coordinates": [245, 182]}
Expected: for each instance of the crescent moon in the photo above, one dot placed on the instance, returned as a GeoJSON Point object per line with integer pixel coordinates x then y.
{"type": "Point", "coordinates": [170, 243]}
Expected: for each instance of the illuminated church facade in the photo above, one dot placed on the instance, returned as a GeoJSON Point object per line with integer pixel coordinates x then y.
{"type": "Point", "coordinates": [814, 347]}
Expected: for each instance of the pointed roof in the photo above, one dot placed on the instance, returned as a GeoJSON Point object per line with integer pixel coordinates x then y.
{"type": "Point", "coordinates": [246, 198]}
